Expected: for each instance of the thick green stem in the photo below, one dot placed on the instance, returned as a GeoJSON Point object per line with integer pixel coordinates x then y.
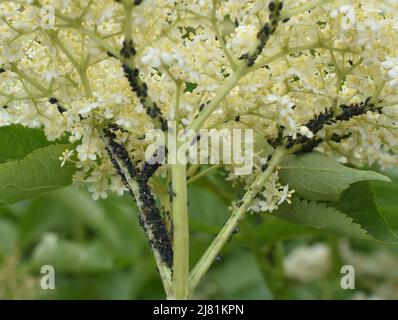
{"type": "Point", "coordinates": [180, 224]}
{"type": "Point", "coordinates": [180, 283]}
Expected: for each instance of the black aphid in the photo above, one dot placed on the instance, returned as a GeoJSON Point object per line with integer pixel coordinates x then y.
{"type": "Point", "coordinates": [55, 102]}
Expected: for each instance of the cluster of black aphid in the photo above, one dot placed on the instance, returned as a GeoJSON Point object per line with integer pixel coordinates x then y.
{"type": "Point", "coordinates": [55, 102]}
{"type": "Point", "coordinates": [310, 144]}
{"type": "Point", "coordinates": [2, 70]}
{"type": "Point", "coordinates": [150, 217]}
{"type": "Point", "coordinates": [149, 168]}
{"type": "Point", "coordinates": [128, 49]}
{"type": "Point", "coordinates": [353, 110]}
{"type": "Point", "coordinates": [275, 8]}
{"type": "Point", "coordinates": [140, 88]}
{"type": "Point", "coordinates": [121, 152]}
{"type": "Point", "coordinates": [119, 171]}
{"type": "Point", "coordinates": [276, 142]}
{"type": "Point", "coordinates": [152, 221]}
{"type": "Point", "coordinates": [347, 112]}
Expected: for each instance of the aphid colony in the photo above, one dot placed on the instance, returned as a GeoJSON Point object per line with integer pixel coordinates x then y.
{"type": "Point", "coordinates": [139, 87]}
{"type": "Point", "coordinates": [317, 123]}
{"type": "Point", "coordinates": [275, 8]}
{"type": "Point", "coordinates": [150, 218]}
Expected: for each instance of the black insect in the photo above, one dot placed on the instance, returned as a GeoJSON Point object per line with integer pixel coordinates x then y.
{"type": "Point", "coordinates": [244, 56]}
{"type": "Point", "coordinates": [276, 142]}
{"type": "Point", "coordinates": [55, 102]}
{"type": "Point", "coordinates": [2, 70]}
{"type": "Point", "coordinates": [172, 194]}
{"type": "Point", "coordinates": [110, 54]}
{"type": "Point", "coordinates": [115, 127]}
{"type": "Point", "coordinates": [128, 49]}
{"type": "Point", "coordinates": [338, 138]}
{"type": "Point", "coordinates": [264, 166]}
{"type": "Point", "coordinates": [271, 6]}
{"type": "Point", "coordinates": [237, 118]}
{"type": "Point", "coordinates": [310, 145]}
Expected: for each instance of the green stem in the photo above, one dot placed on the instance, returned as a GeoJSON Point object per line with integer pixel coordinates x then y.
{"type": "Point", "coordinates": [211, 253]}
{"type": "Point", "coordinates": [180, 232]}
{"type": "Point", "coordinates": [220, 38]}
{"type": "Point", "coordinates": [224, 90]}
{"type": "Point", "coordinates": [79, 69]}
{"type": "Point", "coordinates": [180, 285]}
{"type": "Point", "coordinates": [204, 173]}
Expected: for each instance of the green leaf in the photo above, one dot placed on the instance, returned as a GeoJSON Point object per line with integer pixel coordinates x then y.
{"type": "Point", "coordinates": [39, 172]}
{"type": "Point", "coordinates": [358, 202]}
{"type": "Point", "coordinates": [8, 237]}
{"type": "Point", "coordinates": [386, 201]}
{"type": "Point", "coordinates": [315, 176]}
{"type": "Point", "coordinates": [272, 230]}
{"type": "Point", "coordinates": [72, 257]}
{"type": "Point", "coordinates": [16, 142]}
{"type": "Point", "coordinates": [319, 216]}
{"type": "Point", "coordinates": [250, 284]}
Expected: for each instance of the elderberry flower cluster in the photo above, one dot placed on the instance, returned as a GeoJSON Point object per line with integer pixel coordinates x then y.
{"type": "Point", "coordinates": [308, 74]}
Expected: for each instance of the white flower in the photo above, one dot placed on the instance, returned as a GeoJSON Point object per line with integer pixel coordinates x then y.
{"type": "Point", "coordinates": [390, 65]}
{"type": "Point", "coordinates": [152, 58]}
{"type": "Point", "coordinates": [274, 194]}
{"type": "Point", "coordinates": [88, 108]}
{"type": "Point", "coordinates": [308, 263]}
{"type": "Point", "coordinates": [97, 193]}
{"type": "Point", "coordinates": [139, 108]}
{"type": "Point", "coordinates": [349, 17]}
{"type": "Point", "coordinates": [304, 131]}
{"type": "Point", "coordinates": [86, 152]}
{"type": "Point", "coordinates": [117, 186]}
{"type": "Point", "coordinates": [50, 75]}
{"type": "Point", "coordinates": [285, 195]}
{"type": "Point", "coordinates": [66, 155]}
{"type": "Point", "coordinates": [242, 41]}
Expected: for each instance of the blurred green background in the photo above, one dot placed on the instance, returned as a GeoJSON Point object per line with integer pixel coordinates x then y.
{"type": "Point", "coordinates": [99, 251]}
